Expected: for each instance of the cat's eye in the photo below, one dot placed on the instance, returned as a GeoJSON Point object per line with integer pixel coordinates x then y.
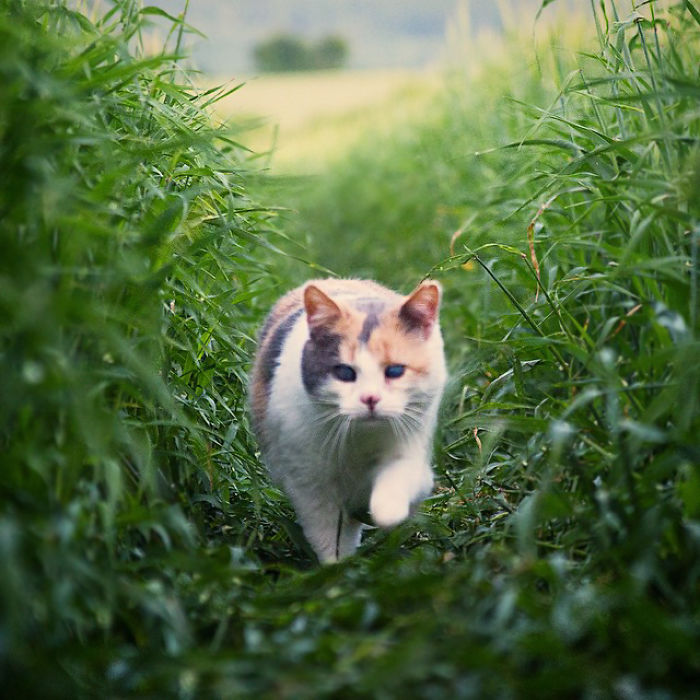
{"type": "Point", "coordinates": [394, 371]}
{"type": "Point", "coordinates": [344, 373]}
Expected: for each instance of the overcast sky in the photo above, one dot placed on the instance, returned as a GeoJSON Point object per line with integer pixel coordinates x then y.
{"type": "Point", "coordinates": [380, 33]}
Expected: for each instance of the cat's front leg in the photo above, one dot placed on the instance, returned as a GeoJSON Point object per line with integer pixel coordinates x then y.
{"type": "Point", "coordinates": [332, 534]}
{"type": "Point", "coordinates": [398, 487]}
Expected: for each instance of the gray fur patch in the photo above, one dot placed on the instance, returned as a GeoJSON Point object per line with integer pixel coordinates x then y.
{"type": "Point", "coordinates": [273, 350]}
{"type": "Point", "coordinates": [370, 323]}
{"type": "Point", "coordinates": [373, 309]}
{"type": "Point", "coordinates": [318, 358]}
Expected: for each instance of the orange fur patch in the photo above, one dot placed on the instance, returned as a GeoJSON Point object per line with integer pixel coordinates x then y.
{"type": "Point", "coordinates": [390, 344]}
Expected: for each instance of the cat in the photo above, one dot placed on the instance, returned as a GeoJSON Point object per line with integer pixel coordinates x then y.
{"type": "Point", "coordinates": [344, 395]}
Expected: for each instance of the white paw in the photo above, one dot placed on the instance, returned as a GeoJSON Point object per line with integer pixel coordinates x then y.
{"type": "Point", "coordinates": [387, 509]}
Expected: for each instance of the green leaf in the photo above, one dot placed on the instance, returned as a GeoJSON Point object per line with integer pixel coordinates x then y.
{"type": "Point", "coordinates": [693, 10]}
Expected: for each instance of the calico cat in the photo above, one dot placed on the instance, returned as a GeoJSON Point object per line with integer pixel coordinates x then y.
{"type": "Point", "coordinates": [344, 395]}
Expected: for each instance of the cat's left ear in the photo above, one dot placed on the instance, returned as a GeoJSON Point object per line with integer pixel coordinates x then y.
{"type": "Point", "coordinates": [321, 310]}
{"type": "Point", "coordinates": [420, 311]}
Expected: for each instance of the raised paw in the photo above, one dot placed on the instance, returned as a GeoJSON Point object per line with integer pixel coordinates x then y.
{"type": "Point", "coordinates": [387, 509]}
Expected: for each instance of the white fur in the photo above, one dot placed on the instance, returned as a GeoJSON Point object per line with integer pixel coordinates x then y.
{"type": "Point", "coordinates": [328, 466]}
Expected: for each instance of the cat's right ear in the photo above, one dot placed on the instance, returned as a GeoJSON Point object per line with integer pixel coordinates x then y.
{"type": "Point", "coordinates": [321, 310]}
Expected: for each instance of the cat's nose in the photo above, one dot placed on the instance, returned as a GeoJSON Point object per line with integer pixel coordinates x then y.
{"type": "Point", "coordinates": [370, 400]}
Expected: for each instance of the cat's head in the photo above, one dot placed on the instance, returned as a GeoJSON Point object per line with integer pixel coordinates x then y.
{"type": "Point", "coordinates": [374, 359]}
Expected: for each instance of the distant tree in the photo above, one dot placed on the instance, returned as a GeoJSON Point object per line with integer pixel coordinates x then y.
{"type": "Point", "coordinates": [286, 52]}
{"type": "Point", "coordinates": [282, 52]}
{"type": "Point", "coordinates": [331, 52]}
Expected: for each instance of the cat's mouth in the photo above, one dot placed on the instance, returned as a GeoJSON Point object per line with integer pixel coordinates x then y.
{"type": "Point", "coordinates": [362, 415]}
{"type": "Point", "coordinates": [371, 417]}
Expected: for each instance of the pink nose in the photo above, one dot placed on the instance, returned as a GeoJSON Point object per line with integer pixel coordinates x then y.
{"type": "Point", "coordinates": [371, 400]}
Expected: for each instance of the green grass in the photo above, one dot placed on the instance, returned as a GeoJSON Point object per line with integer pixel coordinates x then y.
{"type": "Point", "coordinates": [144, 550]}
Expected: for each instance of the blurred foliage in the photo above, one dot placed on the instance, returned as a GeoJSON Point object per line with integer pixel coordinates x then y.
{"type": "Point", "coordinates": [127, 295]}
{"type": "Point", "coordinates": [145, 552]}
{"type": "Point", "coordinates": [286, 52]}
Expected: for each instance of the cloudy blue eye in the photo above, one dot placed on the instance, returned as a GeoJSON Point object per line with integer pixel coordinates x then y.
{"type": "Point", "coordinates": [394, 371]}
{"type": "Point", "coordinates": [345, 373]}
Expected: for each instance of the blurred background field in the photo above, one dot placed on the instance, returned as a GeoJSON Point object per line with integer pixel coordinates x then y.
{"type": "Point", "coordinates": [400, 59]}
{"type": "Point", "coordinates": [302, 120]}
{"type": "Point", "coordinates": [547, 175]}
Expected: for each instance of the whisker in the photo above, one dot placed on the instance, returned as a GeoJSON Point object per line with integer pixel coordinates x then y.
{"type": "Point", "coordinates": [394, 427]}
{"type": "Point", "coordinates": [409, 424]}
{"type": "Point", "coordinates": [336, 437]}
{"type": "Point", "coordinates": [324, 419]}
{"type": "Point", "coordinates": [401, 429]}
{"type": "Point", "coordinates": [327, 446]}
{"type": "Point", "coordinates": [339, 435]}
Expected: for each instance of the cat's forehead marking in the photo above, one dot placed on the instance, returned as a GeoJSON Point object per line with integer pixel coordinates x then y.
{"type": "Point", "coordinates": [369, 324]}
{"type": "Point", "coordinates": [373, 308]}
